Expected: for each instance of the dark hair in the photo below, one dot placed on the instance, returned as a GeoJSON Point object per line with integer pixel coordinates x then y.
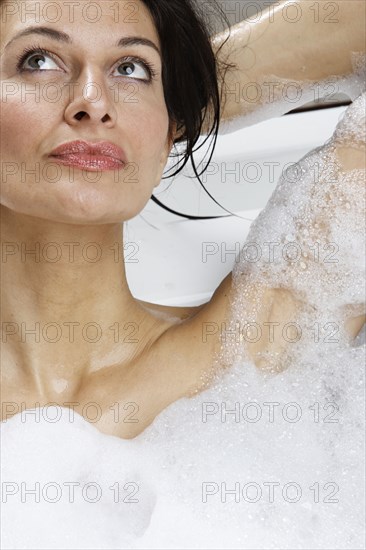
{"type": "Point", "coordinates": [191, 74]}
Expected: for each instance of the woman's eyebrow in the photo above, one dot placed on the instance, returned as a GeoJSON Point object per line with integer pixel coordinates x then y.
{"type": "Point", "coordinates": [66, 39]}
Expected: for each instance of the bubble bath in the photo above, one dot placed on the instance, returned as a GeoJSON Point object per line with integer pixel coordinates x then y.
{"type": "Point", "coordinates": [255, 462]}
{"type": "Point", "coordinates": [259, 460]}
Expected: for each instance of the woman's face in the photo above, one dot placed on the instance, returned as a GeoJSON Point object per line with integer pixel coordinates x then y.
{"type": "Point", "coordinates": [85, 86]}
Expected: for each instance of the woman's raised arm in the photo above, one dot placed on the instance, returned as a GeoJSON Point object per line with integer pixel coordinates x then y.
{"type": "Point", "coordinates": [291, 53]}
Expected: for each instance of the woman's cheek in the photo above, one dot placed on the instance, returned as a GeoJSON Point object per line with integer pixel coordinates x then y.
{"type": "Point", "coordinates": [13, 117]}
{"type": "Point", "coordinates": [21, 126]}
{"type": "Point", "coordinates": [155, 127]}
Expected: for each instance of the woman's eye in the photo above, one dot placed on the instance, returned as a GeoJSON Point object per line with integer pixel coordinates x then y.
{"type": "Point", "coordinates": [40, 62]}
{"type": "Point", "coordinates": [38, 59]}
{"type": "Point", "coordinates": [135, 69]}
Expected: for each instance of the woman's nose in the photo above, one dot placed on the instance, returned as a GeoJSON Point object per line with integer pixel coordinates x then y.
{"type": "Point", "coordinates": [91, 103]}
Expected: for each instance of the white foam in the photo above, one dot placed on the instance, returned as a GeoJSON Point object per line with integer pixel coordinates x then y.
{"type": "Point", "coordinates": [192, 444]}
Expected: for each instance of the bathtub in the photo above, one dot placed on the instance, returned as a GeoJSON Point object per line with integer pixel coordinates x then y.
{"type": "Point", "coordinates": [173, 261]}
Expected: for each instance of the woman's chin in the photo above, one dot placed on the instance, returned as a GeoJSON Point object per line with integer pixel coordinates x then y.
{"type": "Point", "coordinates": [73, 212]}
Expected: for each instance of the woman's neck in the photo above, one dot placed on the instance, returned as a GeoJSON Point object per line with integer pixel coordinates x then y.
{"type": "Point", "coordinates": [66, 308]}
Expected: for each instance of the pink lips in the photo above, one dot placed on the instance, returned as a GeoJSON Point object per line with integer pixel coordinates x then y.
{"type": "Point", "coordinates": [101, 156]}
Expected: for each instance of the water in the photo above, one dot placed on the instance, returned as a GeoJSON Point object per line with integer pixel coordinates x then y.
{"type": "Point", "coordinates": [261, 459]}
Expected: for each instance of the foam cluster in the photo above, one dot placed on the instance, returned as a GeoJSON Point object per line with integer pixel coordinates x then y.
{"type": "Point", "coordinates": [256, 461]}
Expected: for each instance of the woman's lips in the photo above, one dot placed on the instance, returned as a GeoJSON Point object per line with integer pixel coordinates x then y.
{"type": "Point", "coordinates": [94, 157]}
{"type": "Point", "coordinates": [92, 163]}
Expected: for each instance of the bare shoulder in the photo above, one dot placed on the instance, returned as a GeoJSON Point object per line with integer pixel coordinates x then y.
{"type": "Point", "coordinates": [194, 342]}
{"type": "Point", "coordinates": [215, 309]}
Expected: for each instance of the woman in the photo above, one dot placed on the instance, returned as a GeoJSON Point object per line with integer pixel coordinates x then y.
{"type": "Point", "coordinates": [79, 79]}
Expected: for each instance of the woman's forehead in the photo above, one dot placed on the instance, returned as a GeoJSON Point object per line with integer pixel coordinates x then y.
{"type": "Point", "coordinates": [104, 21]}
